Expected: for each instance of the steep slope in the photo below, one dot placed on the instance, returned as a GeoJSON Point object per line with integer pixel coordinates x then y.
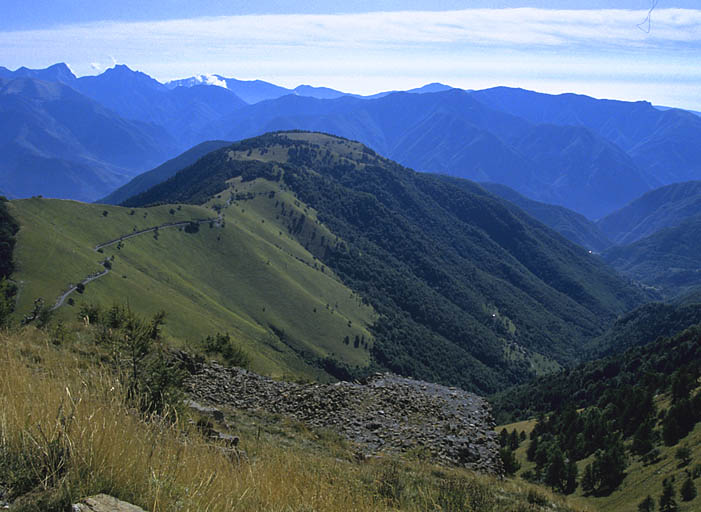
{"type": "Point", "coordinates": [661, 208]}
{"type": "Point", "coordinates": [669, 259]}
{"type": "Point", "coordinates": [670, 153]}
{"type": "Point", "coordinates": [573, 226]}
{"type": "Point", "coordinates": [59, 143]}
{"type": "Point", "coordinates": [653, 351]}
{"type": "Point", "coordinates": [645, 324]}
{"type": "Point", "coordinates": [161, 173]}
{"type": "Point", "coordinates": [469, 289]}
{"type": "Point", "coordinates": [623, 420]}
{"type": "Point", "coordinates": [243, 277]}
{"type": "Point", "coordinates": [583, 171]}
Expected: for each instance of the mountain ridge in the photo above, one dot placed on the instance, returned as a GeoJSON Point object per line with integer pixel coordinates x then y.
{"type": "Point", "coordinates": [54, 142]}
{"type": "Point", "coordinates": [422, 237]}
{"type": "Point", "coordinates": [590, 155]}
{"type": "Point", "coordinates": [660, 208]}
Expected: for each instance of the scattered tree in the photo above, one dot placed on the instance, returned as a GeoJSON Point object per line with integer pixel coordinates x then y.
{"type": "Point", "coordinates": [683, 455]}
{"type": "Point", "coordinates": [688, 489]}
{"type": "Point", "coordinates": [508, 459]}
{"type": "Point", "coordinates": [647, 505]}
{"type": "Point", "coordinates": [667, 501]}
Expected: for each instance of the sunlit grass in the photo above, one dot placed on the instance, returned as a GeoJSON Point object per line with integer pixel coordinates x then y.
{"type": "Point", "coordinates": [66, 433]}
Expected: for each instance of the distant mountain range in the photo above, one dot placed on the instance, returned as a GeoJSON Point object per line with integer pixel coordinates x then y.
{"type": "Point", "coordinates": [57, 142]}
{"type": "Point", "coordinates": [591, 156]}
{"type": "Point", "coordinates": [254, 91]}
{"type": "Point", "coordinates": [164, 171]}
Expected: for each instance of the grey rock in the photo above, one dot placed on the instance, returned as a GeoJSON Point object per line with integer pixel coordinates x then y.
{"type": "Point", "coordinates": [387, 412]}
{"type": "Point", "coordinates": [105, 503]}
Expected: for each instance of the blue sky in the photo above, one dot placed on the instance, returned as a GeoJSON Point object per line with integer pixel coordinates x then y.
{"type": "Point", "coordinates": [590, 47]}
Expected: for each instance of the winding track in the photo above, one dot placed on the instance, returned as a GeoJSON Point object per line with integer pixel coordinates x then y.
{"type": "Point", "coordinates": [60, 301]}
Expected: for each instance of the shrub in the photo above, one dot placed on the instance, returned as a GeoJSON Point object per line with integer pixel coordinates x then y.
{"type": "Point", "coordinates": [683, 455]}
{"type": "Point", "coordinates": [232, 354]}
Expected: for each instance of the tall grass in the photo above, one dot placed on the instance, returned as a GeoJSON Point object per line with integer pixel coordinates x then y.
{"type": "Point", "coordinates": [66, 433]}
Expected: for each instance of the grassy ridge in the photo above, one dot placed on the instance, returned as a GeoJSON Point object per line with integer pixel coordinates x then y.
{"type": "Point", "coordinates": [245, 278]}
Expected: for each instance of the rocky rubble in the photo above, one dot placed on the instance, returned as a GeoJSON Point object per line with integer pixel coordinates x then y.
{"type": "Point", "coordinates": [387, 413]}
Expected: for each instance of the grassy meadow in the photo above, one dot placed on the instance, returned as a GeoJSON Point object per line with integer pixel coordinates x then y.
{"type": "Point", "coordinates": [249, 277]}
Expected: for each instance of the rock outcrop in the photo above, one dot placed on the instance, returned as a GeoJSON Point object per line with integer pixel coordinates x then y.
{"type": "Point", "coordinates": [105, 503]}
{"type": "Point", "coordinates": [387, 413]}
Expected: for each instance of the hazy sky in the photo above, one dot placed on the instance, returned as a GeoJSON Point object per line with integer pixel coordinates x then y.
{"type": "Point", "coordinates": [590, 47]}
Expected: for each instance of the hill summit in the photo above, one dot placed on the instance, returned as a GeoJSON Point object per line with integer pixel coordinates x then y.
{"type": "Point", "coordinates": [468, 289]}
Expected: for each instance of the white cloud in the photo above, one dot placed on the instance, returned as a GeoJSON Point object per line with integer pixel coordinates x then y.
{"type": "Point", "coordinates": [213, 80]}
{"type": "Point", "coordinates": [362, 52]}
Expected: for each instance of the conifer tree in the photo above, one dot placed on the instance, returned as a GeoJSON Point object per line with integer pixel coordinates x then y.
{"type": "Point", "coordinates": [647, 505]}
{"type": "Point", "coordinates": [571, 479]}
{"type": "Point", "coordinates": [588, 479]}
{"type": "Point", "coordinates": [667, 501]}
{"type": "Point", "coordinates": [513, 440]}
{"type": "Point", "coordinates": [688, 489]}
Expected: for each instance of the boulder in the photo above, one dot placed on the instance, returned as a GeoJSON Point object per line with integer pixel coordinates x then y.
{"type": "Point", "coordinates": [105, 503]}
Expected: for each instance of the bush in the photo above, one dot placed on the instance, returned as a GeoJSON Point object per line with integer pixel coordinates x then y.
{"type": "Point", "coordinates": [192, 227]}
{"type": "Point", "coordinates": [221, 344]}
{"type": "Point", "coordinates": [89, 313]}
{"type": "Point", "coordinates": [683, 455]}
{"type": "Point", "coordinates": [696, 472]}
{"type": "Point", "coordinates": [152, 380]}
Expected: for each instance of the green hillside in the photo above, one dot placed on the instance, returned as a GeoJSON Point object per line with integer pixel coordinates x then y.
{"type": "Point", "coordinates": [570, 224]}
{"type": "Point", "coordinates": [627, 422]}
{"type": "Point", "coordinates": [645, 324]}
{"type": "Point", "coordinates": [469, 289]}
{"type": "Point", "coordinates": [664, 207]}
{"type": "Point", "coordinates": [248, 278]}
{"type": "Point", "coordinates": [668, 260]}
{"type": "Point", "coordinates": [651, 365]}
{"type": "Point", "coordinates": [641, 479]}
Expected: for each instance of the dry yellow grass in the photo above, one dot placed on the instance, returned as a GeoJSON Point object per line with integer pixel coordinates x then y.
{"type": "Point", "coordinates": [63, 417]}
